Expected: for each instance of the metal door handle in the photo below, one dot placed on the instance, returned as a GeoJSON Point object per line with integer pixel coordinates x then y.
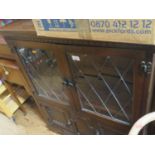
{"type": "Point", "coordinates": [68, 82]}
{"type": "Point", "coordinates": [146, 66]}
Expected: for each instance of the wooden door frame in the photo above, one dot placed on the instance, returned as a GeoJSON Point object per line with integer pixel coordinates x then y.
{"type": "Point", "coordinates": [138, 55]}
{"type": "Point", "coordinates": [59, 55]}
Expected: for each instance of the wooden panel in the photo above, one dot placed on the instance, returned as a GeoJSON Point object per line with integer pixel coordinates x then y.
{"type": "Point", "coordinates": [5, 52]}
{"type": "Point", "coordinates": [58, 118]}
{"type": "Point", "coordinates": [88, 126]}
{"type": "Point", "coordinates": [85, 127]}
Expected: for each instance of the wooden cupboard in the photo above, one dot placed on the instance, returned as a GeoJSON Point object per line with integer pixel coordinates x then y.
{"type": "Point", "coordinates": [84, 87]}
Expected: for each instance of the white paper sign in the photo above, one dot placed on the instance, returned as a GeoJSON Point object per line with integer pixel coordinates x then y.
{"type": "Point", "coordinates": [75, 58]}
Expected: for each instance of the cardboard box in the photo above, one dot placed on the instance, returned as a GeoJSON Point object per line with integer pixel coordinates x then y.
{"type": "Point", "coordinates": [116, 30]}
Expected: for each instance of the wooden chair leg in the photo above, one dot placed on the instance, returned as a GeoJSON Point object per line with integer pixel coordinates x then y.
{"type": "Point", "coordinates": [11, 91]}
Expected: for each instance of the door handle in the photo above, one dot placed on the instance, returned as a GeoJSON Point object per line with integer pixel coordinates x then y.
{"type": "Point", "coordinates": [146, 67]}
{"type": "Point", "coordinates": [68, 82]}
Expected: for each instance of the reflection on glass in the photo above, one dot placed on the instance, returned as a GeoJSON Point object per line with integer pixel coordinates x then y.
{"type": "Point", "coordinates": [42, 69]}
{"type": "Point", "coordinates": [104, 84]}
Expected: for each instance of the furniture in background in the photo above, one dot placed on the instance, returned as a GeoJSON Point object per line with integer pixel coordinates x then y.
{"type": "Point", "coordinates": [12, 86]}
{"type": "Point", "coordinates": [8, 64]}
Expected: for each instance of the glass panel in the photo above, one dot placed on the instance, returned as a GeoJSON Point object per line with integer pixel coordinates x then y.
{"type": "Point", "coordinates": [104, 84]}
{"type": "Point", "coordinates": [42, 69]}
